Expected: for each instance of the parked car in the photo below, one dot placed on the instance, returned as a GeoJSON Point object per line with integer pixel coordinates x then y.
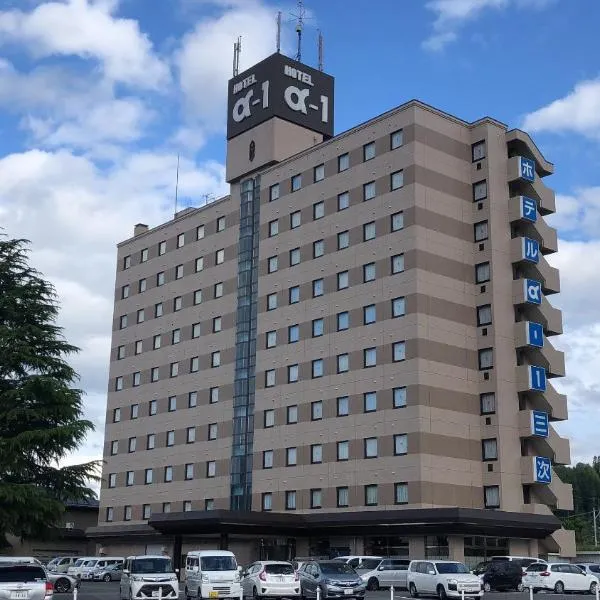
{"type": "Point", "coordinates": [110, 573]}
{"type": "Point", "coordinates": [360, 562]}
{"type": "Point", "coordinates": [271, 579]}
{"type": "Point", "coordinates": [21, 581]}
{"type": "Point", "coordinates": [481, 567]}
{"type": "Point", "coordinates": [522, 561]}
{"type": "Point", "coordinates": [75, 569]}
{"type": "Point", "coordinates": [590, 568]}
{"type": "Point", "coordinates": [62, 582]}
{"type": "Point", "coordinates": [559, 577]}
{"type": "Point", "coordinates": [335, 579]}
{"type": "Point", "coordinates": [503, 576]}
{"type": "Point", "coordinates": [146, 576]}
{"type": "Point", "coordinates": [442, 578]}
{"type": "Point", "coordinates": [212, 574]}
{"type": "Point", "coordinates": [385, 572]}
{"type": "Point", "coordinates": [61, 564]}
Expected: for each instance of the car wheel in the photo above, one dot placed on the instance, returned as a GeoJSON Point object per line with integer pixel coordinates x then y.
{"type": "Point", "coordinates": [441, 592]}
{"type": "Point", "coordinates": [559, 587]}
{"type": "Point", "coordinates": [62, 586]}
{"type": "Point", "coordinates": [487, 587]}
{"type": "Point", "coordinates": [412, 589]}
{"type": "Point", "coordinates": [187, 593]}
{"type": "Point", "coordinates": [255, 593]}
{"type": "Point", "coordinates": [373, 584]}
{"type": "Point", "coordinates": [520, 587]}
{"type": "Point", "coordinates": [593, 587]}
{"type": "Point", "coordinates": [107, 578]}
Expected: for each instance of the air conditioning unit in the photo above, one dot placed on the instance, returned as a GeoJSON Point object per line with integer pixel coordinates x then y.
{"type": "Point", "coordinates": [69, 525]}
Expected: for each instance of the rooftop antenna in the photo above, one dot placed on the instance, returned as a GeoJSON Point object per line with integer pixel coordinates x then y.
{"type": "Point", "coordinates": [320, 51]}
{"type": "Point", "coordinates": [176, 187]}
{"type": "Point", "coordinates": [207, 197]}
{"type": "Point", "coordinates": [237, 50]}
{"type": "Point", "coordinates": [278, 39]}
{"type": "Point", "coordinates": [300, 15]}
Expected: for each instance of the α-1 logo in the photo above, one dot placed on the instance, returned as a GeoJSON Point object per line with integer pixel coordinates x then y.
{"type": "Point", "coordinates": [533, 291]}
{"type": "Point", "coordinates": [543, 469]}
{"type": "Point", "coordinates": [298, 100]}
{"type": "Point", "coordinates": [526, 168]}
{"type": "Point", "coordinates": [242, 109]}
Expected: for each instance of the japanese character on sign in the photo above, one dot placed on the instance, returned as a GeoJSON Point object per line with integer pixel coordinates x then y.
{"type": "Point", "coordinates": [537, 378]}
{"type": "Point", "coordinates": [531, 250]}
{"type": "Point", "coordinates": [528, 209]}
{"type": "Point", "coordinates": [543, 469]}
{"type": "Point", "coordinates": [526, 168]}
{"type": "Point", "coordinates": [535, 334]}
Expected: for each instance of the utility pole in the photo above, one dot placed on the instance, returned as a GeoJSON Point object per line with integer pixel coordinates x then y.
{"type": "Point", "coordinates": [595, 528]}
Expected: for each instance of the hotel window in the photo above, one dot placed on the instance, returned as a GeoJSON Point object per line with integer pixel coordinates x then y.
{"type": "Point", "coordinates": [318, 327]}
{"type": "Point", "coordinates": [267, 501]}
{"type": "Point", "coordinates": [296, 182]}
{"type": "Point", "coordinates": [343, 240]}
{"type": "Point", "coordinates": [319, 173]}
{"type": "Point", "coordinates": [486, 359]}
{"type": "Point", "coordinates": [481, 231]}
{"type": "Point", "coordinates": [267, 459]}
{"type": "Point", "coordinates": [162, 248]}
{"type": "Point", "coordinates": [400, 444]}
{"type": "Point", "coordinates": [397, 180]}
{"type": "Point", "coordinates": [127, 511]}
{"type": "Point", "coordinates": [292, 414]}
{"type": "Point", "coordinates": [176, 336]}
{"type": "Point", "coordinates": [274, 192]}
{"type": "Point", "coordinates": [399, 351]}
{"type": "Point", "coordinates": [316, 410]}
{"type": "Point", "coordinates": [116, 415]}
{"type": "Point", "coordinates": [158, 310]}
{"type": "Point", "coordinates": [152, 407]}
{"type": "Point", "coordinates": [397, 264]}
{"type": "Point", "coordinates": [343, 201]}
{"type": "Point", "coordinates": [343, 406]}
{"type": "Point", "coordinates": [160, 278]}
{"type": "Point", "coordinates": [294, 257]}
{"type": "Point", "coordinates": [126, 262]}
{"type": "Point", "coordinates": [192, 399]}
{"type": "Point", "coordinates": [118, 384]}
{"type": "Point", "coordinates": [187, 506]}
{"type": "Point", "coordinates": [139, 347]}
{"type": "Point", "coordinates": [316, 498]}
{"type": "Point", "coordinates": [371, 495]}
{"type": "Point", "coordinates": [342, 497]}
{"type": "Point", "coordinates": [189, 471]}
{"type": "Point", "coordinates": [396, 139]}
{"type": "Point", "coordinates": [271, 339]}
{"type": "Point", "coordinates": [213, 431]}
{"type": "Point", "coordinates": [369, 272]}
{"type": "Point", "coordinates": [166, 507]}
{"type": "Point", "coordinates": [318, 210]}
{"type": "Point", "coordinates": [120, 352]}
{"type": "Point", "coordinates": [482, 272]}
{"type": "Point", "coordinates": [146, 511]}
{"type": "Point", "coordinates": [293, 333]}
{"type": "Point", "coordinates": [172, 403]}
{"type": "Point", "coordinates": [295, 219]}
{"type": "Point", "coordinates": [491, 494]}
{"type": "Point", "coordinates": [132, 444]}
{"type": "Point", "coordinates": [123, 322]}
{"type": "Point", "coordinates": [114, 447]}
{"type": "Point", "coordinates": [343, 321]}
{"type": "Point", "coordinates": [144, 255]}
{"type": "Point", "coordinates": [401, 493]}
{"type": "Point", "coordinates": [317, 286]}
{"type": "Point", "coordinates": [151, 441]}
{"type": "Point", "coordinates": [343, 363]}
{"type": "Point", "coordinates": [294, 294]}
{"type": "Point", "coordinates": [269, 418]}
{"type": "Point", "coordinates": [343, 450]}
{"type": "Point", "coordinates": [369, 357]}
{"type": "Point", "coordinates": [125, 291]}
{"type": "Point", "coordinates": [273, 228]}
{"type": "Point", "coordinates": [480, 190]}
{"type": "Point", "coordinates": [215, 359]}
{"type": "Point", "coordinates": [370, 402]}
{"type": "Point", "coordinates": [112, 480]}
{"type": "Point", "coordinates": [168, 474]}
{"type": "Point", "coordinates": [177, 303]}
{"type": "Point", "coordinates": [148, 476]}
{"type": "Point", "coordinates": [272, 264]}
{"type": "Point", "coordinates": [484, 314]}
{"type": "Point", "coordinates": [141, 315]}
{"type": "Point", "coordinates": [489, 449]}
{"type": "Point", "coordinates": [194, 364]}
{"type": "Point", "coordinates": [488, 403]}
{"type": "Point", "coordinates": [214, 395]}
{"type": "Point", "coordinates": [478, 151]}
{"type": "Point", "coordinates": [180, 240]}
{"type": "Point", "coordinates": [290, 500]}
{"type": "Point", "coordinates": [397, 221]}
{"type": "Point", "coordinates": [154, 374]}
{"type": "Point", "coordinates": [137, 379]}
{"type": "Point", "coordinates": [272, 301]}
{"type": "Point", "coordinates": [370, 446]}
{"type": "Point", "coordinates": [200, 232]}
{"type": "Point", "coordinates": [342, 280]}
{"type": "Point", "coordinates": [369, 231]}
{"type": "Point", "coordinates": [211, 468]}
{"type": "Point", "coordinates": [291, 457]}
{"type": "Point", "coordinates": [171, 438]}
{"type": "Point", "coordinates": [398, 307]}
{"type": "Point", "coordinates": [220, 256]}
{"type": "Point", "coordinates": [220, 223]}
{"type": "Point", "coordinates": [135, 411]}
{"type": "Point", "coordinates": [399, 397]}
{"type": "Point", "coordinates": [368, 191]}
{"type": "Point", "coordinates": [343, 162]}
{"type": "Point", "coordinates": [369, 151]}
{"type": "Point", "coordinates": [318, 248]}
{"type": "Point", "coordinates": [217, 324]}
{"type": "Point", "coordinates": [218, 289]}
{"type": "Point", "coordinates": [174, 369]}
{"type": "Point", "coordinates": [270, 378]}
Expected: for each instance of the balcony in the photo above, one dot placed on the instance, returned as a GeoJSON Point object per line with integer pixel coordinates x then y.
{"type": "Point", "coordinates": [532, 265]}
{"type": "Point", "coordinates": [546, 356]}
{"type": "Point", "coordinates": [554, 446]}
{"type": "Point", "coordinates": [561, 542]}
{"type": "Point", "coordinates": [550, 401]}
{"type": "Point", "coordinates": [544, 312]}
{"type": "Point", "coordinates": [545, 197]}
{"type": "Point", "coordinates": [555, 494]}
{"type": "Point", "coordinates": [539, 230]}
{"type": "Point", "coordinates": [520, 143]}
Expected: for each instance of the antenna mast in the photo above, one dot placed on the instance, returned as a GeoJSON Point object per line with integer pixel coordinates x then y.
{"type": "Point", "coordinates": [176, 186]}
{"type": "Point", "coordinates": [320, 51]}
{"type": "Point", "coordinates": [278, 39]}
{"type": "Point", "coordinates": [299, 27]}
{"type": "Point", "coordinates": [237, 50]}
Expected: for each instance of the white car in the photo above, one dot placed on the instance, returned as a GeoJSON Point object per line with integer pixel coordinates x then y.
{"type": "Point", "coordinates": [559, 577]}
{"type": "Point", "coordinates": [148, 576]}
{"type": "Point", "coordinates": [442, 578]}
{"type": "Point", "coordinates": [271, 578]}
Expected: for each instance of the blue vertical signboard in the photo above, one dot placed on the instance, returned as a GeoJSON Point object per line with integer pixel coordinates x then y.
{"type": "Point", "coordinates": [542, 469]}
{"type": "Point", "coordinates": [539, 423]}
{"type": "Point", "coordinates": [535, 334]}
{"type": "Point", "coordinates": [528, 209]}
{"type": "Point", "coordinates": [537, 378]}
{"type": "Point", "coordinates": [526, 169]}
{"type": "Point", "coordinates": [533, 291]}
{"type": "Point", "coordinates": [530, 250]}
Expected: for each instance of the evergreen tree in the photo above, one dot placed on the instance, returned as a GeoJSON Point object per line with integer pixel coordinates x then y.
{"type": "Point", "coordinates": [40, 407]}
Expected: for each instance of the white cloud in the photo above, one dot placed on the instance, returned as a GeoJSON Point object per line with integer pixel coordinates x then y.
{"type": "Point", "coordinates": [578, 214]}
{"type": "Point", "coordinates": [578, 111]}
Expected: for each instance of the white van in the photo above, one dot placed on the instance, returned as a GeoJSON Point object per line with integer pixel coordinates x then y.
{"type": "Point", "coordinates": [212, 574]}
{"type": "Point", "coordinates": [75, 569]}
{"type": "Point", "coordinates": [88, 571]}
{"type": "Point", "coordinates": [149, 576]}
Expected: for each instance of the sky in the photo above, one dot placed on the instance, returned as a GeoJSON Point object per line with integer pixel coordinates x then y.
{"type": "Point", "coordinates": [98, 97]}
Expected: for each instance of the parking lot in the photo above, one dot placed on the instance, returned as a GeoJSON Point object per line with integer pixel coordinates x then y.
{"type": "Point", "coordinates": [110, 591]}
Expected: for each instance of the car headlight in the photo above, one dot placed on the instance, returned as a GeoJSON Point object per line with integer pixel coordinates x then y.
{"type": "Point", "coordinates": [236, 578]}
{"type": "Point", "coordinates": [452, 581]}
{"type": "Point", "coordinates": [205, 578]}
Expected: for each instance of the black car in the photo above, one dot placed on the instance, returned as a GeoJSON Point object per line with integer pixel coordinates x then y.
{"type": "Point", "coordinates": [503, 575]}
{"type": "Point", "coordinates": [334, 579]}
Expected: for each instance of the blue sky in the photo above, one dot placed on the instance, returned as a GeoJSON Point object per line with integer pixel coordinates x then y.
{"type": "Point", "coordinates": [97, 98]}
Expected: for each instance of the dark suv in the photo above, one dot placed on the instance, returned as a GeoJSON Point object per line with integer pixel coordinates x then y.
{"type": "Point", "coordinates": [503, 575]}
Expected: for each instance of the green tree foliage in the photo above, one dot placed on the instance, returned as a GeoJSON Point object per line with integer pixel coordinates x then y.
{"type": "Point", "coordinates": [40, 408]}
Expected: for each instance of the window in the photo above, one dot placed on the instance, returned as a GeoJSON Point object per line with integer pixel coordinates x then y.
{"type": "Point", "coordinates": [146, 511]}
{"type": "Point", "coordinates": [187, 506]}
{"type": "Point", "coordinates": [125, 292]}
{"type": "Point", "coordinates": [132, 444]}
{"type": "Point", "coordinates": [172, 403]}
{"type": "Point", "coordinates": [370, 447]}
{"type": "Point", "coordinates": [135, 411]}
{"type": "Point", "coordinates": [369, 272]}
{"type": "Point", "coordinates": [343, 363]}
{"type": "Point", "coordinates": [317, 327]}
{"type": "Point", "coordinates": [213, 431]}
{"type": "Point", "coordinates": [215, 359]}
{"type": "Point", "coordinates": [273, 228]}
{"type": "Point", "coordinates": [369, 231]}
{"type": "Point", "coordinates": [343, 201]}
{"type": "Point", "coordinates": [195, 330]}
{"type": "Point", "coordinates": [491, 494]}
{"type": "Point", "coordinates": [488, 403]}
{"type": "Point", "coordinates": [120, 352]}
{"type": "Point", "coordinates": [343, 406]}
{"type": "Point", "coordinates": [180, 240]}
{"type": "Point", "coordinates": [479, 190]}
{"type": "Point", "coordinates": [123, 322]}
{"type": "Point", "coordinates": [343, 450]}
{"type": "Point", "coordinates": [399, 351]}
{"type": "Point", "coordinates": [194, 364]}
{"type": "Point", "coordinates": [370, 402]}
{"type": "Point", "coordinates": [318, 248]}
{"type": "Point", "coordinates": [317, 285]}
{"type": "Point", "coordinates": [489, 449]}
{"type": "Point", "coordinates": [397, 180]}
{"type": "Point", "coordinates": [484, 314]}
{"type": "Point", "coordinates": [112, 480]}
{"type": "Point", "coordinates": [177, 303]}
{"type": "Point", "coordinates": [319, 173]}
{"type": "Point", "coordinates": [137, 379]}
{"type": "Point", "coordinates": [200, 232]}
{"type": "Point", "coordinates": [267, 501]}
{"type": "Point", "coordinates": [396, 139]}
{"type": "Point", "coordinates": [160, 278]}
{"type": "Point", "coordinates": [174, 370]}
{"type": "Point", "coordinates": [116, 415]}
{"type": "Point", "coordinates": [342, 280]}
{"type": "Point", "coordinates": [399, 395]}
{"type": "Point", "coordinates": [154, 374]}
{"type": "Point", "coordinates": [272, 264]}
{"type": "Point", "coordinates": [295, 219]}
{"type": "Point", "coordinates": [294, 257]}
{"type": "Point", "coordinates": [369, 357]}
{"type": "Point", "coordinates": [316, 410]}
{"type": "Point", "coordinates": [343, 321]}
{"type": "Point", "coordinates": [397, 221]}
{"type": "Point", "coordinates": [148, 476]}
{"type": "Point", "coordinates": [343, 162]}
{"type": "Point", "coordinates": [192, 399]}
{"type": "Point", "coordinates": [482, 272]}
{"type": "Point", "coordinates": [371, 495]}
{"type": "Point", "coordinates": [478, 151]}
{"type": "Point", "coordinates": [114, 447]}
{"type": "Point", "coordinates": [211, 468]}
{"type": "Point", "coordinates": [272, 301]}
{"type": "Point", "coordinates": [398, 307]}
{"type": "Point", "coordinates": [274, 192]}
{"type": "Point", "coordinates": [168, 474]}
{"type": "Point", "coordinates": [397, 264]}
{"type": "Point", "coordinates": [126, 262]}
{"type": "Point", "coordinates": [481, 231]}
{"type": "Point", "coordinates": [220, 223]}
{"type": "Point", "coordinates": [218, 289]}
{"type": "Point", "coordinates": [293, 334]}
{"type": "Point", "coordinates": [315, 498]}
{"type": "Point", "coordinates": [220, 256]}
{"type": "Point", "coordinates": [144, 255]}
{"type": "Point", "coordinates": [291, 457]}
{"type": "Point", "coordinates": [162, 248]}
{"type": "Point", "coordinates": [269, 418]}
{"type": "Point", "coordinates": [369, 151]}
{"type": "Point", "coordinates": [401, 493]}
{"type": "Point", "coordinates": [217, 324]}
{"type": "Point", "coordinates": [176, 336]}
{"type": "Point", "coordinates": [318, 210]}
{"type": "Point", "coordinates": [267, 459]}
{"type": "Point", "coordinates": [141, 315]}
{"type": "Point", "coordinates": [400, 444]}
{"type": "Point", "coordinates": [294, 294]}
{"type": "Point", "coordinates": [343, 240]}
{"type": "Point", "coordinates": [292, 414]}
{"type": "Point", "coordinates": [158, 310]}
{"type": "Point", "coordinates": [127, 512]}
{"type": "Point", "coordinates": [342, 497]}
{"type": "Point", "coordinates": [271, 339]}
{"type": "Point", "coordinates": [139, 346]}
{"type": "Point", "coordinates": [171, 438]}
{"type": "Point", "coordinates": [189, 471]}
{"type": "Point", "coordinates": [486, 359]}
{"type": "Point", "coordinates": [296, 182]}
{"type": "Point", "coordinates": [152, 407]}
{"type": "Point", "coordinates": [151, 441]}
{"type": "Point", "coordinates": [214, 395]}
{"type": "Point", "coordinates": [156, 343]}
{"type": "Point", "coordinates": [290, 500]}
{"type": "Point", "coordinates": [166, 507]}
{"type": "Point", "coordinates": [179, 272]}
{"type": "Point", "coordinates": [270, 378]}
{"type": "Point", "coordinates": [368, 191]}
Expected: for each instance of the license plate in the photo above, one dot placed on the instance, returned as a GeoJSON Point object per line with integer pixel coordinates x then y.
{"type": "Point", "coordinates": [348, 592]}
{"type": "Point", "coordinates": [155, 594]}
{"type": "Point", "coordinates": [213, 594]}
{"type": "Point", "coordinates": [18, 595]}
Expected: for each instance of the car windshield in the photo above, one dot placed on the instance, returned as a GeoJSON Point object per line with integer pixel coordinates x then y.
{"type": "Point", "coordinates": [444, 568]}
{"type": "Point", "coordinates": [218, 563]}
{"type": "Point", "coordinates": [21, 574]}
{"type": "Point", "coordinates": [91, 563]}
{"type": "Point", "coordinates": [336, 569]}
{"type": "Point", "coordinates": [368, 564]}
{"type": "Point", "coordinates": [151, 565]}
{"type": "Point", "coordinates": [79, 562]}
{"type": "Point", "coordinates": [279, 569]}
